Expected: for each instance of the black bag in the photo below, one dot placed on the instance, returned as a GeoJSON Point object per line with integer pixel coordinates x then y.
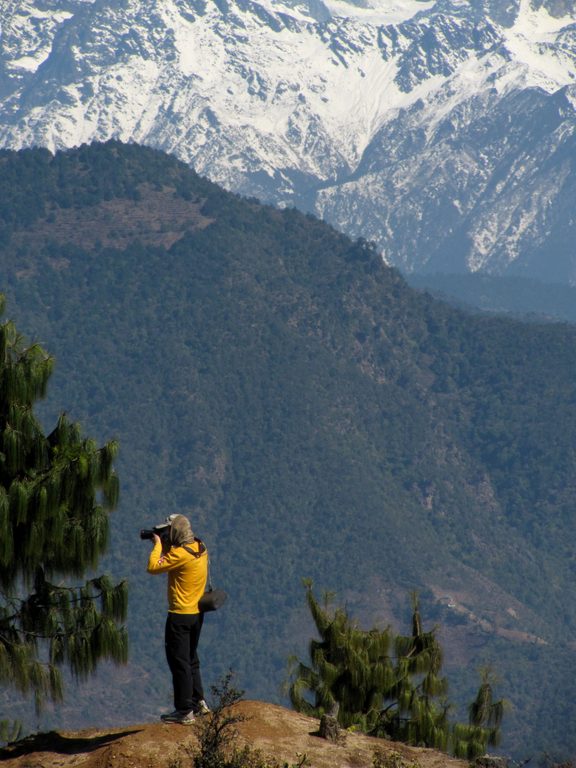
{"type": "Point", "coordinates": [212, 599]}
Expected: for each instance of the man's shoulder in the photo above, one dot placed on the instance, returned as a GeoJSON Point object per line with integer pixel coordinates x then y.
{"type": "Point", "coordinates": [195, 548]}
{"type": "Point", "coordinates": [188, 553]}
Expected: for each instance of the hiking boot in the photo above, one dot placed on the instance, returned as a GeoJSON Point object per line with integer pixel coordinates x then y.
{"type": "Point", "coordinates": [182, 717]}
{"type": "Point", "coordinates": [202, 708]}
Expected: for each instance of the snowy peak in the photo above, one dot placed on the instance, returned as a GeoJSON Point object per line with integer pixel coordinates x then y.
{"type": "Point", "coordinates": [340, 106]}
{"type": "Point", "coordinates": [543, 44]}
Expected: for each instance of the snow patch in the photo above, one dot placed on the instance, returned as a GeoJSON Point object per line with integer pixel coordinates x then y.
{"type": "Point", "coordinates": [532, 41]}
{"type": "Point", "coordinates": [378, 12]}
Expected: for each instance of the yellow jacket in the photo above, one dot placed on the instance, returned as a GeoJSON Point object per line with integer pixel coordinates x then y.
{"type": "Point", "coordinates": [187, 575]}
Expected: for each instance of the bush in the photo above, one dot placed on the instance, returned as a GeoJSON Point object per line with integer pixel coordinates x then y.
{"type": "Point", "coordinates": [217, 734]}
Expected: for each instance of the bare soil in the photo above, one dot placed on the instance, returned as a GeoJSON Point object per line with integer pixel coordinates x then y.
{"type": "Point", "coordinates": [275, 731]}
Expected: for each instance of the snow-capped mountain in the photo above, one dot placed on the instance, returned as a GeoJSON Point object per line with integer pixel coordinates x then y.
{"type": "Point", "coordinates": [444, 130]}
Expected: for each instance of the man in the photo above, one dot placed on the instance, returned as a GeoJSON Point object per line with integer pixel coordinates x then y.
{"type": "Point", "coordinates": [186, 563]}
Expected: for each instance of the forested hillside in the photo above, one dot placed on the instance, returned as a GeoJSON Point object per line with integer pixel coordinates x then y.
{"type": "Point", "coordinates": [314, 416]}
{"type": "Point", "coordinates": [515, 296]}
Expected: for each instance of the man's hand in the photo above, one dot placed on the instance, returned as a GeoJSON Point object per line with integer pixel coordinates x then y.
{"type": "Point", "coordinates": [155, 538]}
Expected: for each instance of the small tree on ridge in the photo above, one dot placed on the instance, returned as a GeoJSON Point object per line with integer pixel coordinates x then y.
{"type": "Point", "coordinates": [388, 686]}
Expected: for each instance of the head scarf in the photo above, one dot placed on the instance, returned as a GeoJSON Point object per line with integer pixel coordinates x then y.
{"type": "Point", "coordinates": [180, 531]}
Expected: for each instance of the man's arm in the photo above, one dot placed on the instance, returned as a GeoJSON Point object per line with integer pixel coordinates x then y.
{"type": "Point", "coordinates": [159, 562]}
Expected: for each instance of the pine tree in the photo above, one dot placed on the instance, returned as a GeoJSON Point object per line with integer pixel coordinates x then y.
{"type": "Point", "coordinates": [349, 670]}
{"type": "Point", "coordinates": [417, 713]}
{"type": "Point", "coordinates": [388, 686]}
{"type": "Point", "coordinates": [484, 719]}
{"type": "Point", "coordinates": [56, 491]}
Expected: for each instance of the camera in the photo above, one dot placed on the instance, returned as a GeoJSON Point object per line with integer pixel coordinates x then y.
{"type": "Point", "coordinates": [162, 530]}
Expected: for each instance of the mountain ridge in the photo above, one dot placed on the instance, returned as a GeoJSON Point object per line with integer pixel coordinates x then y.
{"type": "Point", "coordinates": [442, 131]}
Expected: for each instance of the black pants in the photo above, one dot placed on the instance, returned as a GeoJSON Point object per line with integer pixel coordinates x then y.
{"type": "Point", "coordinates": [181, 638]}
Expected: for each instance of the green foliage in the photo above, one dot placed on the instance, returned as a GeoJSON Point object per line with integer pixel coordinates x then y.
{"type": "Point", "coordinates": [484, 720]}
{"type": "Point", "coordinates": [10, 730]}
{"type": "Point", "coordinates": [388, 686]}
{"type": "Point", "coordinates": [55, 495]}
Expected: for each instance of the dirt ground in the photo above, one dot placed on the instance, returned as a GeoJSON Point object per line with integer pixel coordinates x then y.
{"type": "Point", "coordinates": [276, 731]}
